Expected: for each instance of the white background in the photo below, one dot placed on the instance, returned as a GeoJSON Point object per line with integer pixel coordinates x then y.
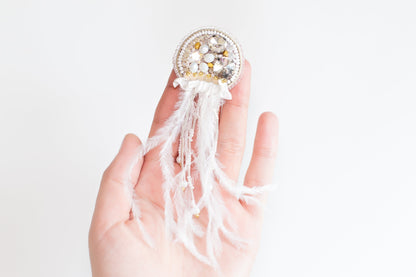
{"type": "Point", "coordinates": [75, 76]}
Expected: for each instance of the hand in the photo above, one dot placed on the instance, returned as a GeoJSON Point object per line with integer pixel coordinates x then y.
{"type": "Point", "coordinates": [117, 247]}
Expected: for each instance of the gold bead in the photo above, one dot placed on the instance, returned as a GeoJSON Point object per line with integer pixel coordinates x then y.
{"type": "Point", "coordinates": [197, 45]}
{"type": "Point", "coordinates": [223, 80]}
{"type": "Point", "coordinates": [194, 74]}
{"type": "Point", "coordinates": [209, 76]}
{"type": "Point", "coordinates": [215, 78]}
{"type": "Point", "coordinates": [196, 215]}
{"type": "Point", "coordinates": [225, 53]}
{"type": "Point", "coordinates": [201, 73]}
{"type": "Point", "coordinates": [210, 65]}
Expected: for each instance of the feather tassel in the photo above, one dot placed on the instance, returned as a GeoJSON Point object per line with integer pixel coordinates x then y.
{"type": "Point", "coordinates": [195, 124]}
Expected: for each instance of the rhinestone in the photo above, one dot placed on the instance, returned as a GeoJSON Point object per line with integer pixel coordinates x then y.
{"type": "Point", "coordinates": [217, 67]}
{"type": "Point", "coordinates": [217, 44]}
{"type": "Point", "coordinates": [227, 72]}
{"type": "Point", "coordinates": [203, 49]}
{"type": "Point", "coordinates": [230, 51]}
{"type": "Point", "coordinates": [193, 67]}
{"type": "Point", "coordinates": [203, 67]}
{"type": "Point", "coordinates": [195, 56]}
{"type": "Point", "coordinates": [224, 61]}
{"type": "Point", "coordinates": [209, 57]}
{"type": "Point", "coordinates": [212, 41]}
{"type": "Point", "coordinates": [231, 66]}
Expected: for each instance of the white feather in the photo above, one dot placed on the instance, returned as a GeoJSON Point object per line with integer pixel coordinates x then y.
{"type": "Point", "coordinates": [196, 117]}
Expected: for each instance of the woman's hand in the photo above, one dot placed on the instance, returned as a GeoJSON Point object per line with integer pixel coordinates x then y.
{"type": "Point", "coordinates": [117, 247]}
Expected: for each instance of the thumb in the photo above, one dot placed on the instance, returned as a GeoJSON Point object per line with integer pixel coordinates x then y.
{"type": "Point", "coordinates": [114, 197]}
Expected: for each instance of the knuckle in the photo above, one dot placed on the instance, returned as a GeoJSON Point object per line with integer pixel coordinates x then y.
{"type": "Point", "coordinates": [110, 176]}
{"type": "Point", "coordinates": [254, 181]}
{"type": "Point", "coordinates": [239, 103]}
{"type": "Point", "coordinates": [107, 173]}
{"type": "Point", "coordinates": [231, 145]}
{"type": "Point", "coordinates": [264, 152]}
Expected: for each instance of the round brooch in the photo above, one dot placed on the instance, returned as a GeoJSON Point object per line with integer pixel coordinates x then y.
{"type": "Point", "coordinates": [209, 54]}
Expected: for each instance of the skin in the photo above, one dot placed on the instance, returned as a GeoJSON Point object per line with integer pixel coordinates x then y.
{"type": "Point", "coordinates": [116, 245]}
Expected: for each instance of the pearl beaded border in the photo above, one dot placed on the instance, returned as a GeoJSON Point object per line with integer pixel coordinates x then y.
{"type": "Point", "coordinates": [239, 60]}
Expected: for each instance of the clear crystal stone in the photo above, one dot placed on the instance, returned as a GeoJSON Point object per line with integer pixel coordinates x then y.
{"type": "Point", "coordinates": [217, 67]}
{"type": "Point", "coordinates": [224, 61]}
{"type": "Point", "coordinates": [230, 51]}
{"type": "Point", "coordinates": [213, 41]}
{"type": "Point", "coordinates": [217, 44]}
{"type": "Point", "coordinates": [231, 66]}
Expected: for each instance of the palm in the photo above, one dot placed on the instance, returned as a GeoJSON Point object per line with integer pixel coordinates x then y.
{"type": "Point", "coordinates": [117, 245]}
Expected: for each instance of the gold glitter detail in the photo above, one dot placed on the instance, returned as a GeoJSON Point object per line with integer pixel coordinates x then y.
{"type": "Point", "coordinates": [210, 65]}
{"type": "Point", "coordinates": [197, 45]}
{"type": "Point", "coordinates": [225, 53]}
